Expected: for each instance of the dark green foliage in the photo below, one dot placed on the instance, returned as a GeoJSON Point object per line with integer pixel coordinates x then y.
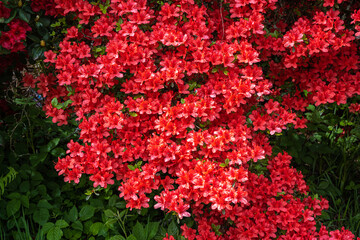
{"type": "Point", "coordinates": [328, 154]}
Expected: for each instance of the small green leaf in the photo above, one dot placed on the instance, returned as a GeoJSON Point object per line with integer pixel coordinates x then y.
{"type": "Point", "coordinates": [132, 237]}
{"type": "Point", "coordinates": [58, 152]}
{"type": "Point", "coordinates": [73, 214]}
{"type": "Point", "coordinates": [323, 185]}
{"type": "Point", "coordinates": [173, 229]}
{"type": "Point", "coordinates": [61, 223]}
{"type": "Point", "coordinates": [138, 231]}
{"type": "Point", "coordinates": [86, 212]}
{"type": "Point", "coordinates": [47, 226]}
{"type": "Point", "coordinates": [34, 38]}
{"type": "Point", "coordinates": [37, 52]}
{"type": "Point", "coordinates": [52, 144]}
{"type": "Point", "coordinates": [117, 237]}
{"type": "Point", "coordinates": [131, 167]}
{"type": "Point", "coordinates": [12, 207]}
{"type": "Point", "coordinates": [55, 233]}
{"type": "Point", "coordinates": [77, 225]}
{"type": "Point", "coordinates": [95, 228]}
{"type": "Point", "coordinates": [41, 216]}
{"type": "Point", "coordinates": [153, 227]}
{"type": "Point", "coordinates": [37, 158]}
{"type": "Point", "coordinates": [45, 21]}
{"type": "Point", "coordinates": [43, 203]}
{"type": "Point", "coordinates": [54, 102]}
{"type": "Point", "coordinates": [14, 195]}
{"type": "Point", "coordinates": [24, 16]}
{"type": "Point", "coordinates": [24, 201]}
{"type": "Point", "coordinates": [109, 213]}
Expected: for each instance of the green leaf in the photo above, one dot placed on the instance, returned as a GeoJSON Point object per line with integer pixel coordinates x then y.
{"type": "Point", "coordinates": [43, 203]}
{"type": "Point", "coordinates": [131, 167]}
{"type": "Point", "coordinates": [54, 102]}
{"type": "Point", "coordinates": [61, 223]}
{"type": "Point", "coordinates": [24, 16]}
{"type": "Point", "coordinates": [77, 225]}
{"type": "Point", "coordinates": [52, 144]}
{"type": "Point", "coordinates": [323, 185]}
{"type": "Point", "coordinates": [117, 237]}
{"type": "Point", "coordinates": [132, 237]}
{"type": "Point", "coordinates": [37, 52]}
{"type": "Point", "coordinates": [44, 21]}
{"type": "Point", "coordinates": [47, 226]}
{"type": "Point", "coordinates": [24, 201]}
{"type": "Point", "coordinates": [54, 233]}
{"type": "Point", "coordinates": [139, 231]}
{"type": "Point", "coordinates": [86, 212]}
{"type": "Point", "coordinates": [37, 158]}
{"type": "Point", "coordinates": [34, 38]}
{"type": "Point", "coordinates": [73, 214]}
{"type": "Point", "coordinates": [153, 226]}
{"type": "Point", "coordinates": [109, 213]}
{"type": "Point", "coordinates": [12, 207]}
{"type": "Point", "coordinates": [95, 228]}
{"type": "Point", "coordinates": [14, 195]}
{"type": "Point", "coordinates": [58, 152]}
{"type": "Point", "coordinates": [24, 186]}
{"type": "Point", "coordinates": [173, 229]}
{"type": "Point", "coordinates": [41, 216]}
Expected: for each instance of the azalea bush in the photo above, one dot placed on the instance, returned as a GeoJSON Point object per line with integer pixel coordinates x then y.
{"type": "Point", "coordinates": [178, 103]}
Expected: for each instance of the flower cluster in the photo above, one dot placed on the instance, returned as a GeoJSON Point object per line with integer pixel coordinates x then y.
{"type": "Point", "coordinates": [13, 39]}
{"type": "Point", "coordinates": [177, 100]}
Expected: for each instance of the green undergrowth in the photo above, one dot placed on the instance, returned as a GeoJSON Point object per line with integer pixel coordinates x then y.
{"type": "Point", "coordinates": [328, 154]}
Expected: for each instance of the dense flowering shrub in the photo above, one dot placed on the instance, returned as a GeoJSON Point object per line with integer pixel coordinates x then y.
{"type": "Point", "coordinates": [180, 98]}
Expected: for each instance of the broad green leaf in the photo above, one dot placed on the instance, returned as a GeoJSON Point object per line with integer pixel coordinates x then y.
{"type": "Point", "coordinates": [77, 225]}
{"type": "Point", "coordinates": [173, 229]}
{"type": "Point", "coordinates": [37, 52]}
{"type": "Point", "coordinates": [45, 21]}
{"type": "Point", "coordinates": [41, 216]}
{"type": "Point", "coordinates": [24, 201]}
{"type": "Point", "coordinates": [37, 158]}
{"type": "Point", "coordinates": [12, 207]}
{"type": "Point", "coordinates": [132, 237]}
{"type": "Point", "coordinates": [47, 226]}
{"type": "Point", "coordinates": [52, 144]}
{"type": "Point", "coordinates": [86, 212]}
{"type": "Point", "coordinates": [14, 195]}
{"type": "Point", "coordinates": [61, 223]}
{"type": "Point", "coordinates": [24, 186]}
{"type": "Point", "coordinates": [117, 237]}
{"type": "Point", "coordinates": [73, 214]}
{"type": "Point", "coordinates": [43, 203]}
{"type": "Point", "coordinates": [95, 228]}
{"type": "Point", "coordinates": [139, 231]}
{"type": "Point", "coordinates": [55, 233]}
{"type": "Point", "coordinates": [109, 213]}
{"type": "Point", "coordinates": [153, 229]}
{"type": "Point", "coordinates": [24, 16]}
{"type": "Point", "coordinates": [58, 152]}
